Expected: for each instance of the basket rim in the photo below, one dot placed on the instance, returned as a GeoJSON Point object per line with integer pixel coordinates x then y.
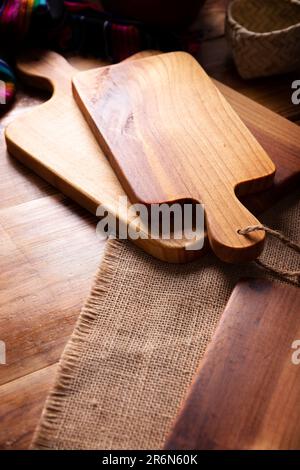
{"type": "Point", "coordinates": [249, 33]}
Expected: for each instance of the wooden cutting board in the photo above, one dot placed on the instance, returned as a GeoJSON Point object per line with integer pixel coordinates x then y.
{"type": "Point", "coordinates": [245, 394]}
{"type": "Point", "coordinates": [54, 141]}
{"type": "Point", "coordinates": [170, 135]}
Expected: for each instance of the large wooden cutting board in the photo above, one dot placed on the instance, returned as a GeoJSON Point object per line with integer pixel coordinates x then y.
{"type": "Point", "coordinates": [55, 141]}
{"type": "Point", "coordinates": [246, 392]}
{"type": "Point", "coordinates": [170, 135]}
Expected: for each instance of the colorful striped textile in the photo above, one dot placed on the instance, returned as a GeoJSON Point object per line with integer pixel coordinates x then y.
{"type": "Point", "coordinates": [15, 20]}
{"type": "Point", "coordinates": [76, 6]}
{"type": "Point", "coordinates": [77, 25]}
{"type": "Point", "coordinates": [7, 84]}
{"type": "Point", "coordinates": [15, 16]}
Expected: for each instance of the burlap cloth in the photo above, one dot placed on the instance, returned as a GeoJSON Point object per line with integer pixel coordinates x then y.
{"type": "Point", "coordinates": [139, 339]}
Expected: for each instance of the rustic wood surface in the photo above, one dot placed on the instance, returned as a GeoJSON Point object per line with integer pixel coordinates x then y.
{"type": "Point", "coordinates": [49, 254]}
{"type": "Point", "coordinates": [245, 394]}
{"type": "Point", "coordinates": [281, 140]}
{"type": "Point", "coordinates": [215, 55]}
{"type": "Point", "coordinates": [20, 405]}
{"type": "Point", "coordinates": [169, 102]}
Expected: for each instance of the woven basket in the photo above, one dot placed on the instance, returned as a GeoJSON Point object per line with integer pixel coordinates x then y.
{"type": "Point", "coordinates": [264, 36]}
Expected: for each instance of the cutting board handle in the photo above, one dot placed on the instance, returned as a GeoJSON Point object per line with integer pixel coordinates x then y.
{"type": "Point", "coordinates": [51, 71]}
{"type": "Point", "coordinates": [46, 70]}
{"type": "Point", "coordinates": [170, 135]}
{"type": "Point", "coordinates": [226, 242]}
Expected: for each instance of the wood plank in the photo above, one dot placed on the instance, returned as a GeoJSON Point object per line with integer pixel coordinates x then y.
{"type": "Point", "coordinates": [273, 92]}
{"type": "Point", "coordinates": [17, 183]}
{"type": "Point", "coordinates": [211, 18]}
{"type": "Point", "coordinates": [49, 254]}
{"type": "Point", "coordinates": [245, 394]}
{"type": "Point", "coordinates": [184, 139]}
{"type": "Point", "coordinates": [21, 404]}
{"type": "Point", "coordinates": [269, 128]}
{"type": "Point", "coordinates": [216, 57]}
{"type": "Point", "coordinates": [48, 257]}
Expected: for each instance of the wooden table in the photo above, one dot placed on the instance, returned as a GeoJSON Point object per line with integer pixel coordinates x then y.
{"type": "Point", "coordinates": [49, 250]}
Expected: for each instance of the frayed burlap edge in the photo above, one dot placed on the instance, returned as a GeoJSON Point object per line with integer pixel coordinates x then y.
{"type": "Point", "coordinates": [68, 363]}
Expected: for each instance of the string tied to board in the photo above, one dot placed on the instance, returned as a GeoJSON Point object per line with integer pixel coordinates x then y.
{"type": "Point", "coordinates": [284, 273]}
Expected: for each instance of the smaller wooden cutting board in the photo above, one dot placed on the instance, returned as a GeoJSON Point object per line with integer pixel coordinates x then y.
{"type": "Point", "coordinates": [170, 135]}
{"type": "Point", "coordinates": [245, 394]}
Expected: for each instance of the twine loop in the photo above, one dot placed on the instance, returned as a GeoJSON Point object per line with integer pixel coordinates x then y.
{"type": "Point", "coordinates": [286, 241]}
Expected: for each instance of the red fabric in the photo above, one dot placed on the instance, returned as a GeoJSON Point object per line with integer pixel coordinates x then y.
{"type": "Point", "coordinates": [125, 41]}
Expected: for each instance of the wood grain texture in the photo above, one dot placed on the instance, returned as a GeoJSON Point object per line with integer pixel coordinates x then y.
{"type": "Point", "coordinates": [245, 394]}
{"type": "Point", "coordinates": [21, 405]}
{"type": "Point", "coordinates": [281, 140]}
{"type": "Point", "coordinates": [170, 135]}
{"type": "Point", "coordinates": [215, 56]}
{"type": "Point", "coordinates": [59, 161]}
{"type": "Point", "coordinates": [48, 257]}
{"type": "Point", "coordinates": [18, 185]}
{"type": "Point", "coordinates": [50, 253]}
{"type": "Point", "coordinates": [55, 141]}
